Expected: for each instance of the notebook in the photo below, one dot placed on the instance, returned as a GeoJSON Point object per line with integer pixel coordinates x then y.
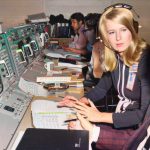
{"type": "Point", "coordinates": [54, 139]}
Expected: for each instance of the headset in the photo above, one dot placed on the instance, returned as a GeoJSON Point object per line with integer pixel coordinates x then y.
{"type": "Point", "coordinates": [122, 5]}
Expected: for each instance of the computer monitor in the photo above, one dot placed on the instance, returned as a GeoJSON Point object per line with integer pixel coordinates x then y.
{"type": "Point", "coordinates": [27, 50]}
{"type": "Point", "coordinates": [33, 45]}
{"type": "Point", "coordinates": [21, 55]}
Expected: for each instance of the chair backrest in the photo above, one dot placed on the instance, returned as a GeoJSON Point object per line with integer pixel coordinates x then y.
{"type": "Point", "coordinates": [139, 134]}
{"type": "Point", "coordinates": [147, 115]}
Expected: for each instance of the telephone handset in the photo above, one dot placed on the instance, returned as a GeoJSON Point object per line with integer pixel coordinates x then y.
{"type": "Point", "coordinates": [21, 55]}
{"type": "Point", "coordinates": [4, 71]}
{"type": "Point", "coordinates": [27, 50]}
{"type": "Point", "coordinates": [1, 85]}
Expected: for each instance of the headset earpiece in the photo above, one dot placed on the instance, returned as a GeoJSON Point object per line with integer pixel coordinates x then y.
{"type": "Point", "coordinates": [136, 25]}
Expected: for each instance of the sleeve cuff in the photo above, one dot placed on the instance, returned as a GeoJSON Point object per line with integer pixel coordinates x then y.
{"type": "Point", "coordinates": [95, 133]}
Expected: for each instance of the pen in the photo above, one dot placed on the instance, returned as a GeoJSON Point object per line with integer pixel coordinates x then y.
{"type": "Point", "coordinates": [75, 119]}
{"type": "Point", "coordinates": [64, 69]}
{"type": "Point", "coordinates": [61, 96]}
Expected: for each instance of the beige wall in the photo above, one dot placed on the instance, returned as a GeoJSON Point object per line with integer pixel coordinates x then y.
{"type": "Point", "coordinates": [14, 12]}
{"type": "Point", "coordinates": [68, 7]}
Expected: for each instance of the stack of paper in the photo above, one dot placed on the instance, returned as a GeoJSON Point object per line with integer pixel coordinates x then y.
{"type": "Point", "coordinates": [59, 79]}
{"type": "Point", "coordinates": [60, 53]}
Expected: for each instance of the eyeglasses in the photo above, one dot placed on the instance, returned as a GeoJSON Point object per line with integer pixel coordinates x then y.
{"type": "Point", "coordinates": [121, 5]}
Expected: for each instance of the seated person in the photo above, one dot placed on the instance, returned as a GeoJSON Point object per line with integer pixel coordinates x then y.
{"type": "Point", "coordinates": [94, 47]}
{"type": "Point", "coordinates": [96, 63]}
{"type": "Point", "coordinates": [91, 22]}
{"type": "Point", "coordinates": [96, 67]}
{"type": "Point", "coordinates": [126, 59]}
{"type": "Point", "coordinates": [79, 42]}
{"type": "Point", "coordinates": [97, 59]}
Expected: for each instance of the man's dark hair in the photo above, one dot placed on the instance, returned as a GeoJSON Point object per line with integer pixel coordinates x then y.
{"type": "Point", "coordinates": [78, 16]}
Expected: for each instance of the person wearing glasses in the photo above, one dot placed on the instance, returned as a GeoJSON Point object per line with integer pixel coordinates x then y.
{"type": "Point", "coordinates": [127, 61]}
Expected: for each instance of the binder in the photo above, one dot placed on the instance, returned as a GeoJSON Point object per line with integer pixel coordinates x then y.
{"type": "Point", "coordinates": [54, 139]}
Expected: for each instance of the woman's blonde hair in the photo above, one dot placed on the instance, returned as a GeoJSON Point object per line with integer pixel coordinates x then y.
{"type": "Point", "coordinates": [132, 54]}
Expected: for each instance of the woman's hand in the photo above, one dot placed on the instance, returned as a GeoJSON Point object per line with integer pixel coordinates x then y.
{"type": "Point", "coordinates": [68, 101]}
{"type": "Point", "coordinates": [75, 125]}
{"type": "Point", "coordinates": [66, 48]}
{"type": "Point", "coordinates": [81, 124]}
{"type": "Point", "coordinates": [84, 100]}
{"type": "Point", "coordinates": [90, 112]}
{"type": "Point", "coordinates": [85, 123]}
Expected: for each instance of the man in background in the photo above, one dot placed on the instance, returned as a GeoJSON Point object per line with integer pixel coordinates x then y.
{"type": "Point", "coordinates": [79, 41]}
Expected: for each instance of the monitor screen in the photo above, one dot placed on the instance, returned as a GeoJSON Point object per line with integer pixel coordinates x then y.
{"type": "Point", "coordinates": [27, 50]}
{"type": "Point", "coordinates": [33, 45]}
{"type": "Point", "coordinates": [21, 55]}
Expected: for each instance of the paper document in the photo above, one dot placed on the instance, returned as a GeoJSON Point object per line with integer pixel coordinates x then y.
{"type": "Point", "coordinates": [60, 53]}
{"type": "Point", "coordinates": [32, 88]}
{"type": "Point", "coordinates": [62, 64]}
{"type": "Point", "coordinates": [46, 114]}
{"type": "Point", "coordinates": [59, 79]}
{"type": "Point", "coordinates": [55, 79]}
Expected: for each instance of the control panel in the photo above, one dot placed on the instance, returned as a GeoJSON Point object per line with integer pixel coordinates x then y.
{"type": "Point", "coordinates": [43, 30]}
{"type": "Point", "coordinates": [6, 66]}
{"type": "Point", "coordinates": [14, 102]}
{"type": "Point", "coordinates": [23, 46]}
{"type": "Point", "coordinates": [19, 48]}
{"type": "Point", "coordinates": [13, 105]}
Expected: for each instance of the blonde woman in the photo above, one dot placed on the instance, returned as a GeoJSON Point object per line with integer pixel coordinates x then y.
{"type": "Point", "coordinates": [127, 61]}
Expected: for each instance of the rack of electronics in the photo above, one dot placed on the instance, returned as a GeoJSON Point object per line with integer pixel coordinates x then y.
{"type": "Point", "coordinates": [19, 47]}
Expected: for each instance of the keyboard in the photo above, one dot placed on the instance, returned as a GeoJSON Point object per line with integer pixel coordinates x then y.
{"type": "Point", "coordinates": [46, 114]}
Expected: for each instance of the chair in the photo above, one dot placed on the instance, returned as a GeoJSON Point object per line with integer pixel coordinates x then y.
{"type": "Point", "coordinates": [140, 135]}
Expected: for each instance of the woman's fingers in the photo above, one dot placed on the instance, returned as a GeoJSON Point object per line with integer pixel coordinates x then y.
{"type": "Point", "coordinates": [81, 112]}
{"type": "Point", "coordinates": [84, 122]}
{"type": "Point", "coordinates": [92, 104]}
{"type": "Point", "coordinates": [67, 101]}
{"type": "Point", "coordinates": [75, 125]}
{"type": "Point", "coordinates": [70, 98]}
{"type": "Point", "coordinates": [81, 105]}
